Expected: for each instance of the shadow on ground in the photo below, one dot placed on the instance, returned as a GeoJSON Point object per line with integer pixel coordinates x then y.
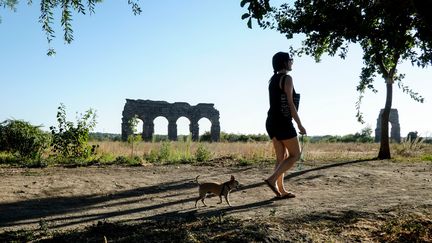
{"type": "Point", "coordinates": [56, 209]}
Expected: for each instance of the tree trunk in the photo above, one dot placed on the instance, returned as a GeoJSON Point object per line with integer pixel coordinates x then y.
{"type": "Point", "coordinates": [384, 152]}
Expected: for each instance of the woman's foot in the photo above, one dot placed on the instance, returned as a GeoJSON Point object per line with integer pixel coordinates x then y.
{"type": "Point", "coordinates": [273, 187]}
{"type": "Point", "coordinates": [285, 195]}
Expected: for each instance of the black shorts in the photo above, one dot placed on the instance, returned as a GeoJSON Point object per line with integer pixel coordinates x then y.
{"type": "Point", "coordinates": [281, 129]}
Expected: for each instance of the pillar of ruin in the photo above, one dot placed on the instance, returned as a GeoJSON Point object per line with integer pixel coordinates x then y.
{"type": "Point", "coordinates": [395, 126]}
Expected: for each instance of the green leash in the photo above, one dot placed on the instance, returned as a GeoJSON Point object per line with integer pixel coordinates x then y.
{"type": "Point", "coordinates": [300, 163]}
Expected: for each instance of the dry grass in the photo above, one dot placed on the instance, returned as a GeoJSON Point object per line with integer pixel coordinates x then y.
{"type": "Point", "coordinates": [255, 151]}
{"type": "Point", "coordinates": [340, 151]}
{"type": "Point", "coordinates": [251, 151]}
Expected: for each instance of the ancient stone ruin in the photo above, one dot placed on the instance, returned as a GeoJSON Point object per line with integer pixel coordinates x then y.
{"type": "Point", "coordinates": [148, 110]}
{"type": "Point", "coordinates": [395, 127]}
{"type": "Point", "coordinates": [412, 136]}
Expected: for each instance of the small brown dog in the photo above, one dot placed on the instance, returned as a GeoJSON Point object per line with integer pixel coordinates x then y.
{"type": "Point", "coordinates": [216, 189]}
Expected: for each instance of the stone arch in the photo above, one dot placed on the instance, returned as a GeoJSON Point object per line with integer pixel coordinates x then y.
{"type": "Point", "coordinates": [202, 123]}
{"type": "Point", "coordinates": [140, 126]}
{"type": "Point", "coordinates": [395, 126]}
{"type": "Point", "coordinates": [160, 122]}
{"type": "Point", "coordinates": [183, 125]}
{"type": "Point", "coordinates": [148, 110]}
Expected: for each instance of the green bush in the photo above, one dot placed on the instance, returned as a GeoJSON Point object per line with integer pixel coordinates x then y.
{"type": "Point", "coordinates": [22, 138]}
{"type": "Point", "coordinates": [152, 156]}
{"type": "Point", "coordinates": [202, 153]}
{"type": "Point", "coordinates": [165, 151]}
{"type": "Point", "coordinates": [70, 141]}
{"type": "Point", "coordinates": [131, 161]}
{"type": "Point", "coordinates": [162, 155]}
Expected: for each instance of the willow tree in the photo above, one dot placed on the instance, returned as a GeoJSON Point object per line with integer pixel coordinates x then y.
{"type": "Point", "coordinates": [388, 31]}
{"type": "Point", "coordinates": [67, 9]}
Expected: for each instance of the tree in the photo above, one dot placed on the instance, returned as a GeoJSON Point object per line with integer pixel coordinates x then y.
{"type": "Point", "coordinates": [70, 141]}
{"type": "Point", "coordinates": [388, 31]}
{"type": "Point", "coordinates": [23, 138]}
{"type": "Point", "coordinates": [133, 138]}
{"type": "Point", "coordinates": [46, 18]}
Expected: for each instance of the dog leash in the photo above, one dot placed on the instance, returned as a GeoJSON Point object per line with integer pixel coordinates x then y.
{"type": "Point", "coordinates": [300, 162]}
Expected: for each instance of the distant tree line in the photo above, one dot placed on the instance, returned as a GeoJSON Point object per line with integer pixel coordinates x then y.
{"type": "Point", "coordinates": [69, 140]}
{"type": "Point", "coordinates": [102, 136]}
{"type": "Point", "coordinates": [364, 136]}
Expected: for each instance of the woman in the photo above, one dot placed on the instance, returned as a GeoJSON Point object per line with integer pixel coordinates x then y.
{"type": "Point", "coordinates": [279, 123]}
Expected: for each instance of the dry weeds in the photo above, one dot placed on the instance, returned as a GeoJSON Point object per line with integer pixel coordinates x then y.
{"type": "Point", "coordinates": [255, 151]}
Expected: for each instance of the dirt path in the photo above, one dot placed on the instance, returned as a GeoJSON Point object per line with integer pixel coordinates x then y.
{"type": "Point", "coordinates": [62, 198]}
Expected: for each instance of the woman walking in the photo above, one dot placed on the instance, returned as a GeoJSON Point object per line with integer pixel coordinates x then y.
{"type": "Point", "coordinates": [279, 124]}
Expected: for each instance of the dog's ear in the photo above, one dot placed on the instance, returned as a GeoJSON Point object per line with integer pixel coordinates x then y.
{"type": "Point", "coordinates": [232, 178]}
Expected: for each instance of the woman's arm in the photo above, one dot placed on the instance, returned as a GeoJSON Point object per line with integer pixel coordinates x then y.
{"type": "Point", "coordinates": [289, 92]}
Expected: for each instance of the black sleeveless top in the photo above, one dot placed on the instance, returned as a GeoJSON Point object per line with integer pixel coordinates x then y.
{"type": "Point", "coordinates": [279, 108]}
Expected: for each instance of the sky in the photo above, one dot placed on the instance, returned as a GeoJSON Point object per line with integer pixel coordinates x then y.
{"type": "Point", "coordinates": [184, 51]}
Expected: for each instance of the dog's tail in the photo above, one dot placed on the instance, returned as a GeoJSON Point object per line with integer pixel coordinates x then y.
{"type": "Point", "coordinates": [196, 179]}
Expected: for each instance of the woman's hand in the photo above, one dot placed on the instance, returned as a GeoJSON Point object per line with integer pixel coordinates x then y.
{"type": "Point", "coordinates": [302, 129]}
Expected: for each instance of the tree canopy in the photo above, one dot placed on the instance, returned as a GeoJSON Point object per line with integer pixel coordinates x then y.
{"type": "Point", "coordinates": [67, 8]}
{"type": "Point", "coordinates": [388, 31]}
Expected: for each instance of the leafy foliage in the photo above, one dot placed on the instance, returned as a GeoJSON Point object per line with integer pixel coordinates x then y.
{"type": "Point", "coordinates": [388, 31]}
{"type": "Point", "coordinates": [202, 153]}
{"type": "Point", "coordinates": [133, 138]}
{"type": "Point", "coordinates": [364, 136]}
{"type": "Point", "coordinates": [165, 151]}
{"type": "Point", "coordinates": [70, 141]}
{"type": "Point", "coordinates": [8, 4]}
{"type": "Point", "coordinates": [67, 7]}
{"type": "Point", "coordinates": [21, 137]}
{"type": "Point", "coordinates": [131, 161]}
{"type": "Point", "coordinates": [256, 10]}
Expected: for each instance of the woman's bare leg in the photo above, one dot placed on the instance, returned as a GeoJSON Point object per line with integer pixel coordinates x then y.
{"type": "Point", "coordinates": [281, 155]}
{"type": "Point", "coordinates": [293, 148]}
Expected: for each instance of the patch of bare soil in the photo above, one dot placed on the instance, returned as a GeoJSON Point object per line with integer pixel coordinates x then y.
{"type": "Point", "coordinates": [330, 197]}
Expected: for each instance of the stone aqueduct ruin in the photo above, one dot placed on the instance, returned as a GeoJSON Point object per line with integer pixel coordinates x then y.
{"type": "Point", "coordinates": [148, 110]}
{"type": "Point", "coordinates": [395, 126]}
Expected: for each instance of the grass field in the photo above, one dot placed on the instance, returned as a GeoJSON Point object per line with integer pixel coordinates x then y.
{"type": "Point", "coordinates": [263, 151]}
{"type": "Point", "coordinates": [238, 153]}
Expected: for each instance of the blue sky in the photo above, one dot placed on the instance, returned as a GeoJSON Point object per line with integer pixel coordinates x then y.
{"type": "Point", "coordinates": [183, 51]}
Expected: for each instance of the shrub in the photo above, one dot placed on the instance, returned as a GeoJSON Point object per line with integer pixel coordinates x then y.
{"type": "Point", "coordinates": [70, 141]}
{"type": "Point", "coordinates": [202, 153]}
{"type": "Point", "coordinates": [165, 151]}
{"type": "Point", "coordinates": [206, 137]}
{"type": "Point", "coordinates": [162, 155]}
{"type": "Point", "coordinates": [152, 156]}
{"type": "Point", "coordinates": [22, 138]}
{"type": "Point", "coordinates": [131, 161]}
{"type": "Point", "coordinates": [133, 138]}
{"type": "Point", "coordinates": [408, 148]}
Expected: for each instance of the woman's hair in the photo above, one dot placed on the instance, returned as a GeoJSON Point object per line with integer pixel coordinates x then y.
{"type": "Point", "coordinates": [279, 60]}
